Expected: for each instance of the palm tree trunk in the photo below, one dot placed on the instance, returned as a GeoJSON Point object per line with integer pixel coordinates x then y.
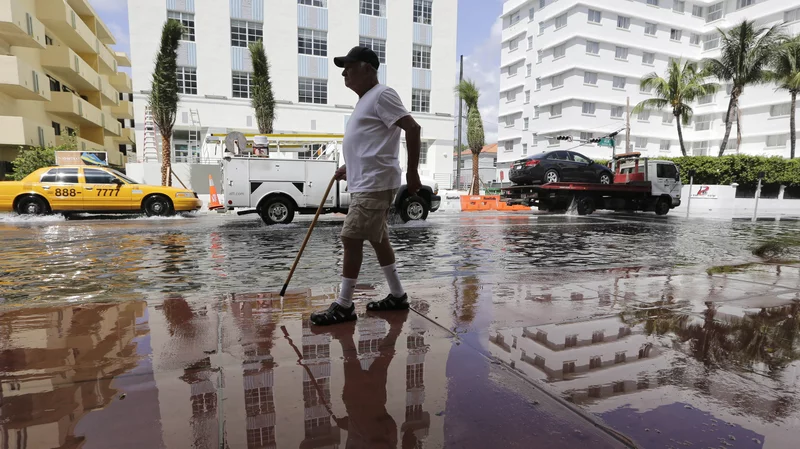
{"type": "Point", "coordinates": [680, 135]}
{"type": "Point", "coordinates": [729, 122]}
{"type": "Point", "coordinates": [792, 130]}
{"type": "Point", "coordinates": [166, 160]}
{"type": "Point", "coordinates": [476, 187]}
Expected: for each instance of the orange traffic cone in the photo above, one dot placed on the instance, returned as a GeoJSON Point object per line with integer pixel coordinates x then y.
{"type": "Point", "coordinates": [214, 204]}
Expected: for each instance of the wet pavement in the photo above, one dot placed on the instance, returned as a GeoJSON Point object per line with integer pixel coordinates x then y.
{"type": "Point", "coordinates": [528, 331]}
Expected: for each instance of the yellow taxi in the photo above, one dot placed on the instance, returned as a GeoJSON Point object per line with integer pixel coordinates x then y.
{"type": "Point", "coordinates": [67, 189]}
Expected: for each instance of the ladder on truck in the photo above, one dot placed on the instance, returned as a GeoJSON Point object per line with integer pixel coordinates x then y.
{"type": "Point", "coordinates": [194, 136]}
{"type": "Point", "coordinates": [151, 143]}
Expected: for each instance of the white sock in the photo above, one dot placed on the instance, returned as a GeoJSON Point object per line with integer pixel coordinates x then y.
{"type": "Point", "coordinates": [346, 292]}
{"type": "Point", "coordinates": [395, 287]}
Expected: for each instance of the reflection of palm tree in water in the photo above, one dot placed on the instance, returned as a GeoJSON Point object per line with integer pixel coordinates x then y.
{"type": "Point", "coordinates": [368, 424]}
{"type": "Point", "coordinates": [180, 317]}
{"type": "Point", "coordinates": [465, 312]}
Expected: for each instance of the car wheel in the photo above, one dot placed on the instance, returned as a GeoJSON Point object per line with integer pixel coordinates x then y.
{"type": "Point", "coordinates": [32, 205]}
{"type": "Point", "coordinates": [157, 206]}
{"type": "Point", "coordinates": [662, 207]}
{"type": "Point", "coordinates": [277, 210]}
{"type": "Point", "coordinates": [550, 176]}
{"type": "Point", "coordinates": [414, 208]}
{"type": "Point", "coordinates": [605, 178]}
{"type": "Point", "coordinates": [585, 205]}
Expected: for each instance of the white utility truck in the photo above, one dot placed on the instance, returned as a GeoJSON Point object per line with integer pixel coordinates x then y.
{"type": "Point", "coordinates": [277, 188]}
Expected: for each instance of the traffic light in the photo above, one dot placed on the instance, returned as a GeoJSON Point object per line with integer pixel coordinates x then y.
{"type": "Point", "coordinates": [594, 140]}
{"type": "Point", "coordinates": [567, 138]}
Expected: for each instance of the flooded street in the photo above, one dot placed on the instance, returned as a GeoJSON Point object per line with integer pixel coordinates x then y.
{"type": "Point", "coordinates": [518, 319]}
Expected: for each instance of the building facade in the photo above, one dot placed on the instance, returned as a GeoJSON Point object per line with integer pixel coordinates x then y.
{"type": "Point", "coordinates": [58, 77]}
{"type": "Point", "coordinates": [568, 67]}
{"type": "Point", "coordinates": [415, 40]}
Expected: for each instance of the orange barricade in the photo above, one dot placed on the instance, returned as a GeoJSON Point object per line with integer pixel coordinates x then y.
{"type": "Point", "coordinates": [472, 203]}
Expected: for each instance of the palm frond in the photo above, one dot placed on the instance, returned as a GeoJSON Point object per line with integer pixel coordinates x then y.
{"type": "Point", "coordinates": [263, 98]}
{"type": "Point", "coordinates": [163, 98]}
{"type": "Point", "coordinates": [469, 93]}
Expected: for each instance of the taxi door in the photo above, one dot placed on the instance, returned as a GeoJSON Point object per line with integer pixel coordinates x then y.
{"type": "Point", "coordinates": [62, 189]}
{"type": "Point", "coordinates": [105, 192]}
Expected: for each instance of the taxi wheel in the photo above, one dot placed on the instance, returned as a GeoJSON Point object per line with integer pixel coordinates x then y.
{"type": "Point", "coordinates": [32, 205]}
{"type": "Point", "coordinates": [157, 206]}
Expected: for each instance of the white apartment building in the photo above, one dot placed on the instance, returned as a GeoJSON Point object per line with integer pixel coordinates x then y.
{"type": "Point", "coordinates": [568, 67]}
{"type": "Point", "coordinates": [415, 40]}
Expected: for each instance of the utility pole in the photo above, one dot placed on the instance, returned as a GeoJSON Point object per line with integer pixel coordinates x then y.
{"type": "Point", "coordinates": [460, 113]}
{"type": "Point", "coordinates": [628, 126]}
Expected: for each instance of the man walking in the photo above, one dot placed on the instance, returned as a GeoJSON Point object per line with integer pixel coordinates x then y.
{"type": "Point", "coordinates": [371, 152]}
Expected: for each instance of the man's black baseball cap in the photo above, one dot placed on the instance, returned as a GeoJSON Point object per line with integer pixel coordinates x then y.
{"type": "Point", "coordinates": [358, 54]}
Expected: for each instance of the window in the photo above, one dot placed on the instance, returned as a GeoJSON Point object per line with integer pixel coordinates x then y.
{"type": "Point", "coordinates": [312, 42]}
{"type": "Point", "coordinates": [700, 148]}
{"type": "Point", "coordinates": [48, 40]}
{"type": "Point", "coordinates": [242, 83]}
{"type": "Point", "coordinates": [621, 53]}
{"type": "Point", "coordinates": [536, 112]}
{"type": "Point", "coordinates": [508, 146]}
{"type": "Point", "coordinates": [530, 42]}
{"type": "Point", "coordinates": [56, 128]}
{"type": "Point", "coordinates": [524, 151]}
{"type": "Point", "coordinates": [541, 28]}
{"type": "Point", "coordinates": [538, 83]}
{"type": "Point", "coordinates": [527, 96]}
{"type": "Point", "coordinates": [423, 153]}
{"type": "Point", "coordinates": [555, 110]}
{"type": "Point", "coordinates": [422, 57]}
{"type": "Point", "coordinates": [791, 16]}
{"type": "Point", "coordinates": [588, 108]}
{"type": "Point", "coordinates": [377, 45]}
{"type": "Point", "coordinates": [645, 89]}
{"type": "Point", "coordinates": [187, 20]}
{"type": "Point", "coordinates": [644, 116]}
{"type": "Point", "coordinates": [61, 175]}
{"type": "Point", "coordinates": [675, 34]}
{"type": "Point", "coordinates": [679, 6]}
{"type": "Point", "coordinates": [511, 96]}
{"type": "Point", "coordinates": [780, 110]}
{"type": "Point", "coordinates": [71, 132]}
{"type": "Point", "coordinates": [187, 80]}
{"type": "Point", "coordinates": [617, 111]}
{"type": "Point", "coordinates": [95, 176]}
{"type": "Point", "coordinates": [715, 12]}
{"type": "Point", "coordinates": [514, 17]}
{"type": "Point", "coordinates": [593, 48]}
{"type": "Point", "coordinates": [510, 121]}
{"type": "Point", "coordinates": [373, 7]}
{"type": "Point", "coordinates": [697, 11]}
{"type": "Point", "coordinates": [530, 15]}
{"type": "Point", "coordinates": [619, 82]}
{"type": "Point", "coordinates": [595, 16]}
{"type": "Point", "coordinates": [648, 58]}
{"type": "Point", "coordinates": [535, 140]}
{"type": "Point", "coordinates": [706, 99]}
{"type": "Point", "coordinates": [561, 21]}
{"type": "Point", "coordinates": [539, 56]}
{"type": "Point", "coordinates": [703, 123]}
{"type": "Point", "coordinates": [313, 91]}
{"type": "Point", "coordinates": [623, 22]}
{"type": "Point", "coordinates": [513, 44]}
{"type": "Point", "coordinates": [640, 142]}
{"type": "Point", "coordinates": [553, 143]}
{"type": "Point", "coordinates": [777, 141]}
{"type": "Point", "coordinates": [652, 2]}
{"type": "Point", "coordinates": [590, 78]}
{"type": "Point", "coordinates": [525, 123]}
{"type": "Point", "coordinates": [242, 33]}
{"type": "Point", "coordinates": [586, 136]}
{"type": "Point", "coordinates": [541, 3]}
{"type": "Point", "coordinates": [528, 70]}
{"type": "Point", "coordinates": [423, 11]}
{"type": "Point", "coordinates": [711, 41]}
{"type": "Point", "coordinates": [55, 86]}
{"type": "Point", "coordinates": [560, 51]}
{"type": "Point", "coordinates": [742, 3]}
{"type": "Point", "coordinates": [650, 28]}
{"type": "Point", "coordinates": [665, 145]}
{"type": "Point", "coordinates": [694, 39]}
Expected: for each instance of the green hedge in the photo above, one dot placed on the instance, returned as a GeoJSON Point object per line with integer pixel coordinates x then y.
{"type": "Point", "coordinates": [740, 169]}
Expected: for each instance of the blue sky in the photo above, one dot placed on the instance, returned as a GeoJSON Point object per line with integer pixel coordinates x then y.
{"type": "Point", "coordinates": [478, 41]}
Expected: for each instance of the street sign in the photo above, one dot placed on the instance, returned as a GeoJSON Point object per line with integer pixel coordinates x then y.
{"type": "Point", "coordinates": [606, 142]}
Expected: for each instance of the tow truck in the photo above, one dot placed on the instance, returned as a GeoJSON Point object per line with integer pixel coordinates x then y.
{"type": "Point", "coordinates": [640, 184]}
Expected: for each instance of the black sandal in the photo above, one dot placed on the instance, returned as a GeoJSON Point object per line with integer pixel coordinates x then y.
{"type": "Point", "coordinates": [389, 303]}
{"type": "Point", "coordinates": [333, 315]}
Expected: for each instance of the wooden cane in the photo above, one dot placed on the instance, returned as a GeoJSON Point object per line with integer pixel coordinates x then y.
{"type": "Point", "coordinates": [308, 235]}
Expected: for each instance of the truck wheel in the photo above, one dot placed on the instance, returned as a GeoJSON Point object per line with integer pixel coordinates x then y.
{"type": "Point", "coordinates": [414, 208]}
{"type": "Point", "coordinates": [32, 205]}
{"type": "Point", "coordinates": [585, 205]}
{"type": "Point", "coordinates": [662, 207]}
{"type": "Point", "coordinates": [157, 206]}
{"type": "Point", "coordinates": [277, 210]}
{"type": "Point", "coordinates": [550, 176]}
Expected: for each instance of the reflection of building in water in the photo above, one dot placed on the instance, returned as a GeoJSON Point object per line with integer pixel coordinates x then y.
{"type": "Point", "coordinates": [203, 398]}
{"type": "Point", "coordinates": [57, 365]}
{"type": "Point", "coordinates": [417, 420]}
{"type": "Point", "coordinates": [370, 336]}
{"type": "Point", "coordinates": [319, 430]}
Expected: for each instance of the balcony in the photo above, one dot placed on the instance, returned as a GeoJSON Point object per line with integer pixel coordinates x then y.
{"type": "Point", "coordinates": [71, 68]}
{"type": "Point", "coordinates": [18, 80]}
{"type": "Point", "coordinates": [74, 108]}
{"type": "Point", "coordinates": [20, 131]}
{"type": "Point", "coordinates": [123, 110]}
{"type": "Point", "coordinates": [82, 144]}
{"type": "Point", "coordinates": [110, 95]}
{"type": "Point", "coordinates": [126, 137]}
{"type": "Point", "coordinates": [122, 82]}
{"type": "Point", "coordinates": [111, 125]}
{"type": "Point", "coordinates": [19, 26]}
{"type": "Point", "coordinates": [65, 23]}
{"type": "Point", "coordinates": [107, 60]}
{"type": "Point", "coordinates": [122, 59]}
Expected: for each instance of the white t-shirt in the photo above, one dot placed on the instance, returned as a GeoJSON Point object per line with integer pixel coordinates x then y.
{"type": "Point", "coordinates": [372, 142]}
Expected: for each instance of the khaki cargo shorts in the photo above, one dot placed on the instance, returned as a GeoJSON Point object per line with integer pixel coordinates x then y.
{"type": "Point", "coordinates": [367, 216]}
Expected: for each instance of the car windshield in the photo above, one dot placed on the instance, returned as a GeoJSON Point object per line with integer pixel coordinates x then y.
{"type": "Point", "coordinates": [123, 177]}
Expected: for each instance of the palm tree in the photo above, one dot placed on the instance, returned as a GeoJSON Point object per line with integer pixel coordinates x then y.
{"type": "Point", "coordinates": [682, 85]}
{"type": "Point", "coordinates": [164, 93]}
{"type": "Point", "coordinates": [469, 93]}
{"type": "Point", "coordinates": [786, 74]}
{"type": "Point", "coordinates": [744, 60]}
{"type": "Point", "coordinates": [263, 100]}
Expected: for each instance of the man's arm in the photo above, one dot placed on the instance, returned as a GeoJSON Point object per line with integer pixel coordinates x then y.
{"type": "Point", "coordinates": [413, 144]}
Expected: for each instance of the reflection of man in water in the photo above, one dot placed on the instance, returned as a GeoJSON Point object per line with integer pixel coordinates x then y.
{"type": "Point", "coordinates": [368, 424]}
